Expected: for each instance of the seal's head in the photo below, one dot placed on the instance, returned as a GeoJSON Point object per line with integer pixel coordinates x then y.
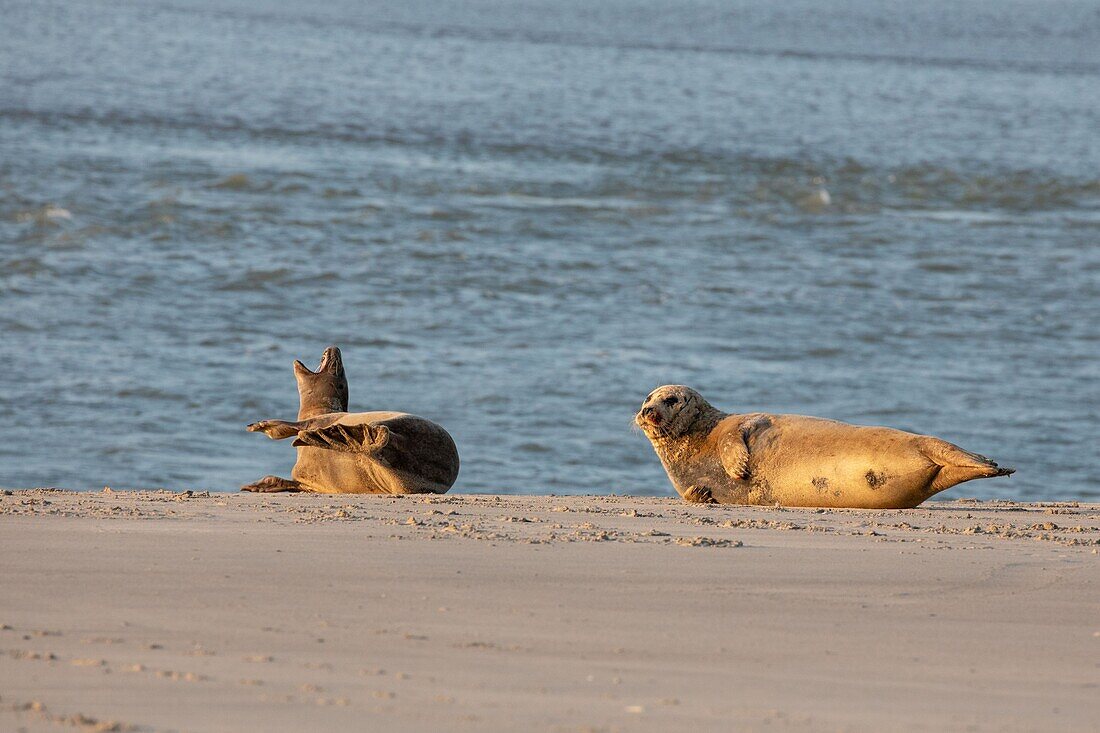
{"type": "Point", "coordinates": [325, 390]}
{"type": "Point", "coordinates": [672, 411]}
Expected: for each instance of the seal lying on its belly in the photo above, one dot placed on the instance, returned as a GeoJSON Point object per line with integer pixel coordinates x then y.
{"type": "Point", "coordinates": [794, 460]}
{"type": "Point", "coordinates": [341, 452]}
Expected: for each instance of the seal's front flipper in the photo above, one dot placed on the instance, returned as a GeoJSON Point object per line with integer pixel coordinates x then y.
{"type": "Point", "coordinates": [346, 438]}
{"type": "Point", "coordinates": [273, 484]}
{"type": "Point", "coordinates": [275, 429]}
{"type": "Point", "coordinates": [735, 456]}
{"type": "Point", "coordinates": [699, 495]}
{"type": "Point", "coordinates": [734, 451]}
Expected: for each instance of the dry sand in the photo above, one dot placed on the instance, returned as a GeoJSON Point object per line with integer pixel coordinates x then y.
{"type": "Point", "coordinates": [159, 611]}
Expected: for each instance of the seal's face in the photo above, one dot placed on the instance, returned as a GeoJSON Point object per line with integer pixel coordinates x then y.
{"type": "Point", "coordinates": [670, 411]}
{"type": "Point", "coordinates": [325, 390]}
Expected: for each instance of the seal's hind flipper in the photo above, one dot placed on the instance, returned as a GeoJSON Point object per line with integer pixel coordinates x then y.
{"type": "Point", "coordinates": [275, 429]}
{"type": "Point", "coordinates": [272, 484]}
{"type": "Point", "coordinates": [958, 465]}
{"type": "Point", "coordinates": [950, 455]}
{"type": "Point", "coordinates": [346, 438]}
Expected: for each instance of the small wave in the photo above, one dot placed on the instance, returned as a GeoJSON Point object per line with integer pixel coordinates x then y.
{"type": "Point", "coordinates": [490, 399]}
{"type": "Point", "coordinates": [527, 286]}
{"type": "Point", "coordinates": [963, 217]}
{"type": "Point", "coordinates": [340, 193]}
{"type": "Point", "coordinates": [971, 192]}
{"type": "Point", "coordinates": [450, 214]}
{"type": "Point", "coordinates": [149, 393]}
{"type": "Point", "coordinates": [257, 279]}
{"type": "Point", "coordinates": [815, 201]}
{"type": "Point", "coordinates": [235, 182]}
{"type": "Point", "coordinates": [945, 268]}
{"type": "Point", "coordinates": [10, 325]}
{"type": "Point", "coordinates": [27, 266]}
{"type": "Point", "coordinates": [50, 214]}
{"type": "Point", "coordinates": [824, 352]}
{"type": "Point", "coordinates": [377, 342]}
{"type": "Point", "coordinates": [531, 201]}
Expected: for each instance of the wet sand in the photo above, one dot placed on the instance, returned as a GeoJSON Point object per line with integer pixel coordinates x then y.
{"type": "Point", "coordinates": [160, 611]}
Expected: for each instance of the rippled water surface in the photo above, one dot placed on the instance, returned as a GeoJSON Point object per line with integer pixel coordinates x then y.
{"type": "Point", "coordinates": [518, 217]}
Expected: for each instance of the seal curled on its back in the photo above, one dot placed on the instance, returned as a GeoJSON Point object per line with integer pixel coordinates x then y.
{"type": "Point", "coordinates": [795, 460]}
{"type": "Point", "coordinates": [341, 452]}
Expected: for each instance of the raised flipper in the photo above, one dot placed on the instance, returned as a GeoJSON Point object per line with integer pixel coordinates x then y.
{"type": "Point", "coordinates": [276, 429]}
{"type": "Point", "coordinates": [958, 465]}
{"type": "Point", "coordinates": [734, 452]}
{"type": "Point", "coordinates": [273, 484]}
{"type": "Point", "coordinates": [346, 438]}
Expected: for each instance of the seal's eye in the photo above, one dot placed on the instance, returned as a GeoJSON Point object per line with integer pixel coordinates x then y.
{"type": "Point", "coordinates": [670, 400]}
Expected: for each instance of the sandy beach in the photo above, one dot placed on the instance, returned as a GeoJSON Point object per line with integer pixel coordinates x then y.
{"type": "Point", "coordinates": [161, 611]}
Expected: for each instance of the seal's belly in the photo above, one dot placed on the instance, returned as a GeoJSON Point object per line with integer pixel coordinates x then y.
{"type": "Point", "coordinates": [332, 472]}
{"type": "Point", "coordinates": [810, 462]}
{"type": "Point", "coordinates": [846, 483]}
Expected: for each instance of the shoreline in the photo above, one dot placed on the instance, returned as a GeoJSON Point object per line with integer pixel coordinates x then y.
{"type": "Point", "coordinates": [159, 610]}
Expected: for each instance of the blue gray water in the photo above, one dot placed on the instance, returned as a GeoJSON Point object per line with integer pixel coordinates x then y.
{"type": "Point", "coordinates": [519, 216]}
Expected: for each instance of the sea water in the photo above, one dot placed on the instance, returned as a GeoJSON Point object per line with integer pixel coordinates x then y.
{"type": "Point", "coordinates": [517, 217]}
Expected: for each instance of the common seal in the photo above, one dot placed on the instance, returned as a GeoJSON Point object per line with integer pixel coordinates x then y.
{"type": "Point", "coordinates": [341, 452]}
{"type": "Point", "coordinates": [794, 460]}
